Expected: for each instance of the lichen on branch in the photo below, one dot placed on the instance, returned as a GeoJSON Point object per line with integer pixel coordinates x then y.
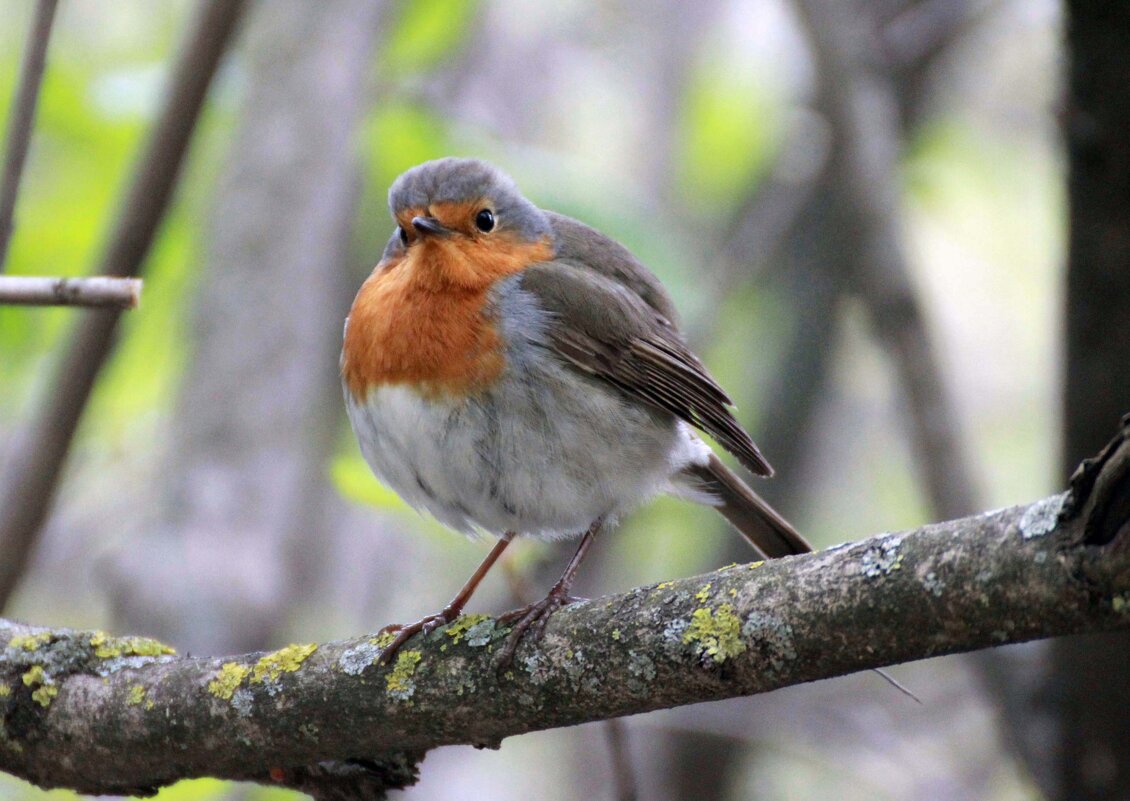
{"type": "Point", "coordinates": [311, 716]}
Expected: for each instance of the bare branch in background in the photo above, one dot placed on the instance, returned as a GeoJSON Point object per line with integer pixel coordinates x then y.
{"type": "Point", "coordinates": [919, 36]}
{"type": "Point", "coordinates": [33, 472]}
{"type": "Point", "coordinates": [865, 116]}
{"type": "Point", "coordinates": [22, 117]}
{"type": "Point", "coordinates": [616, 735]}
{"type": "Point", "coordinates": [1060, 565]}
{"type": "Point", "coordinates": [808, 184]}
{"type": "Point", "coordinates": [920, 32]}
{"type": "Point", "coordinates": [98, 292]}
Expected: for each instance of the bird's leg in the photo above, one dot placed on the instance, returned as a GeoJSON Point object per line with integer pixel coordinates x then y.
{"type": "Point", "coordinates": [537, 614]}
{"type": "Point", "coordinates": [405, 631]}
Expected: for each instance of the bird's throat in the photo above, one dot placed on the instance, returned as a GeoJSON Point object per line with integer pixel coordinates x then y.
{"type": "Point", "coordinates": [423, 319]}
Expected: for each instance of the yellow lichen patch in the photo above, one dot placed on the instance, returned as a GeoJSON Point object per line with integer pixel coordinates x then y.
{"type": "Point", "coordinates": [30, 642]}
{"type": "Point", "coordinates": [399, 681]}
{"type": "Point", "coordinates": [227, 681]}
{"type": "Point", "coordinates": [136, 694]}
{"type": "Point", "coordinates": [45, 695]}
{"type": "Point", "coordinates": [704, 593]}
{"type": "Point", "coordinates": [457, 629]}
{"type": "Point", "coordinates": [5, 690]}
{"type": "Point", "coordinates": [664, 585]}
{"type": "Point", "coordinates": [284, 660]}
{"type": "Point", "coordinates": [616, 634]}
{"type": "Point", "coordinates": [715, 634]}
{"type": "Point", "coordinates": [384, 639]}
{"type": "Point", "coordinates": [35, 676]}
{"type": "Point", "coordinates": [755, 565]}
{"type": "Point", "coordinates": [43, 688]}
{"type": "Point", "coordinates": [107, 647]}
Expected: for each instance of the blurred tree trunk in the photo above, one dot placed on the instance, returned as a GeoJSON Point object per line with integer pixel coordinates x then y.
{"type": "Point", "coordinates": [245, 479]}
{"type": "Point", "coordinates": [1088, 684]}
{"type": "Point", "coordinates": [874, 66]}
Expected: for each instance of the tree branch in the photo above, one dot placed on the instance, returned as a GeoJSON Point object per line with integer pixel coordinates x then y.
{"type": "Point", "coordinates": [96, 292]}
{"type": "Point", "coordinates": [23, 115]}
{"type": "Point", "coordinates": [121, 716]}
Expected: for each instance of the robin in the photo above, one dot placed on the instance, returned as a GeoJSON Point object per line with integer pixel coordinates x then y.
{"type": "Point", "coordinates": [513, 371]}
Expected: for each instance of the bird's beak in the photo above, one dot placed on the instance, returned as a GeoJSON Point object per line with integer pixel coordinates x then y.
{"type": "Point", "coordinates": [430, 226]}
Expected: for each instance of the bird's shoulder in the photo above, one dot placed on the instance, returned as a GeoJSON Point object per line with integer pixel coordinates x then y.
{"type": "Point", "coordinates": [583, 247]}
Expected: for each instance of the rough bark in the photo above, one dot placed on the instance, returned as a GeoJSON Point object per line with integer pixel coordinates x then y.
{"type": "Point", "coordinates": [106, 715]}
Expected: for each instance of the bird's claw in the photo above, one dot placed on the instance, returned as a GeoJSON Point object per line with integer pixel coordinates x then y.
{"type": "Point", "coordinates": [536, 617]}
{"type": "Point", "coordinates": [406, 631]}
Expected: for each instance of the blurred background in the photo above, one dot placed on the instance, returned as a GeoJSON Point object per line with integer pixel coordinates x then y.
{"type": "Point", "coordinates": [861, 209]}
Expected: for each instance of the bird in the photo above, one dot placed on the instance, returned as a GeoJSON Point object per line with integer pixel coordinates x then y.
{"type": "Point", "coordinates": [514, 372]}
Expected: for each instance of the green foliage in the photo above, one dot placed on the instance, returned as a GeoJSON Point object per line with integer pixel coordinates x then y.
{"type": "Point", "coordinates": [998, 194]}
{"type": "Point", "coordinates": [355, 481]}
{"type": "Point", "coordinates": [399, 135]}
{"type": "Point", "coordinates": [195, 790]}
{"type": "Point", "coordinates": [664, 539]}
{"type": "Point", "coordinates": [96, 107]}
{"type": "Point", "coordinates": [728, 132]}
{"type": "Point", "coordinates": [79, 155]}
{"type": "Point", "coordinates": [426, 33]}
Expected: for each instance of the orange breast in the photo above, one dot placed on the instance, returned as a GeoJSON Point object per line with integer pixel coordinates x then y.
{"type": "Point", "coordinates": [423, 321]}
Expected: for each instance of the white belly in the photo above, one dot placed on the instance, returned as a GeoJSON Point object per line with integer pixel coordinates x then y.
{"type": "Point", "coordinates": [539, 454]}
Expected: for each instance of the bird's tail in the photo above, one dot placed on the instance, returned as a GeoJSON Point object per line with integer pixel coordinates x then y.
{"type": "Point", "coordinates": [757, 521]}
{"type": "Point", "coordinates": [761, 524]}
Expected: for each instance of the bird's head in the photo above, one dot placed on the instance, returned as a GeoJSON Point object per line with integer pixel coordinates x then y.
{"type": "Point", "coordinates": [464, 221]}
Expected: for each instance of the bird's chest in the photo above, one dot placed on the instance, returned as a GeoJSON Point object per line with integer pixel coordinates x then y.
{"type": "Point", "coordinates": [402, 331]}
{"type": "Point", "coordinates": [538, 449]}
{"type": "Point", "coordinates": [540, 452]}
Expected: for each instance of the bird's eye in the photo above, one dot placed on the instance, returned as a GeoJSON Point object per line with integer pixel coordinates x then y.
{"type": "Point", "coordinates": [484, 220]}
{"type": "Point", "coordinates": [403, 235]}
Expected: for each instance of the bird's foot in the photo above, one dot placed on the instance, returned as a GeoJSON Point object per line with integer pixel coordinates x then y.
{"type": "Point", "coordinates": [406, 631]}
{"type": "Point", "coordinates": [532, 618]}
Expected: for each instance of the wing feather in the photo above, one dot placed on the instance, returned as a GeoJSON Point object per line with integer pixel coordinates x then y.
{"type": "Point", "coordinates": [603, 328]}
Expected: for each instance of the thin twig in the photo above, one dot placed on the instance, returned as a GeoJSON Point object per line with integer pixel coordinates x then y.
{"type": "Point", "coordinates": [33, 472]}
{"type": "Point", "coordinates": [96, 292]}
{"type": "Point", "coordinates": [23, 115]}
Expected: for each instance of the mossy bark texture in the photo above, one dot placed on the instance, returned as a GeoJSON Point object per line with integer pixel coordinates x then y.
{"type": "Point", "coordinates": [125, 715]}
